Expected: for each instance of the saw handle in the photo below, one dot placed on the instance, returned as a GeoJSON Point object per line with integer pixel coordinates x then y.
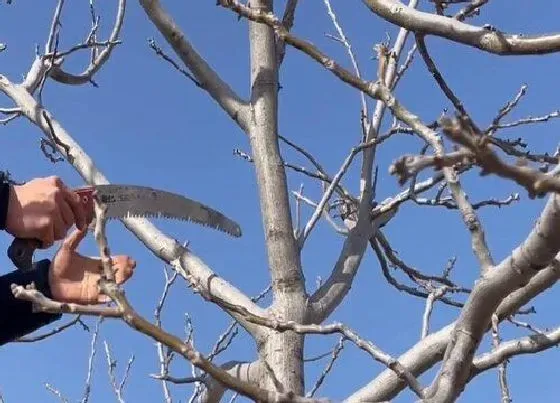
{"type": "Point", "coordinates": [21, 250]}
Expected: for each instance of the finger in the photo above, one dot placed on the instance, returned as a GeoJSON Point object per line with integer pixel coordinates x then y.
{"type": "Point", "coordinates": [59, 227]}
{"type": "Point", "coordinates": [66, 214]}
{"type": "Point", "coordinates": [47, 237]}
{"type": "Point", "coordinates": [75, 202]}
{"type": "Point", "coordinates": [74, 239]}
{"type": "Point", "coordinates": [124, 268]}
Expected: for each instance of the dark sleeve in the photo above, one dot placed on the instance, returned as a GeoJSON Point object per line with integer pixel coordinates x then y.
{"type": "Point", "coordinates": [16, 316]}
{"type": "Point", "coordinates": [4, 199]}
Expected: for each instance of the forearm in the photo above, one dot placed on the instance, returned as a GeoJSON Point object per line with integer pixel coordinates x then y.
{"type": "Point", "coordinates": [16, 316]}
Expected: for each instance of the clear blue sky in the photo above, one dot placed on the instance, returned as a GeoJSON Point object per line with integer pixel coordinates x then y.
{"type": "Point", "coordinates": [146, 124]}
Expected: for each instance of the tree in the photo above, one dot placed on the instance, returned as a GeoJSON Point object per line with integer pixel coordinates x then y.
{"type": "Point", "coordinates": [368, 200]}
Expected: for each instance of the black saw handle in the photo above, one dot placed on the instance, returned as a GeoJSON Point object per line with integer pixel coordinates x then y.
{"type": "Point", "coordinates": [21, 252]}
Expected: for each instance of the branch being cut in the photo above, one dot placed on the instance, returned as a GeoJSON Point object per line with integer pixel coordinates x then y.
{"type": "Point", "coordinates": [183, 261]}
{"type": "Point", "coordinates": [47, 305]}
{"type": "Point", "coordinates": [487, 39]}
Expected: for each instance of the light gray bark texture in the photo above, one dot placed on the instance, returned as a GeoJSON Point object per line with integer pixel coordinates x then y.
{"type": "Point", "coordinates": [282, 353]}
{"type": "Point", "coordinates": [279, 331]}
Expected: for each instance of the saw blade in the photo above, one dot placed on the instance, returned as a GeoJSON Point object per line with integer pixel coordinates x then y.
{"type": "Point", "coordinates": [133, 201]}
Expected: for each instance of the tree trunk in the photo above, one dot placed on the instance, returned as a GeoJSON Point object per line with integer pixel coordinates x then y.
{"type": "Point", "coordinates": [281, 353]}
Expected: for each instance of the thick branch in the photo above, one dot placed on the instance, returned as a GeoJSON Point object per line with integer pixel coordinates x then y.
{"type": "Point", "coordinates": [534, 254]}
{"type": "Point", "coordinates": [288, 284]}
{"type": "Point", "coordinates": [427, 352]}
{"type": "Point", "coordinates": [208, 79]}
{"type": "Point", "coordinates": [329, 296]}
{"type": "Point", "coordinates": [487, 39]}
{"type": "Point", "coordinates": [244, 371]}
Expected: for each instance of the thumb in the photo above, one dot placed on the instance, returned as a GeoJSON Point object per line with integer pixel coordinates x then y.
{"type": "Point", "coordinates": [73, 240]}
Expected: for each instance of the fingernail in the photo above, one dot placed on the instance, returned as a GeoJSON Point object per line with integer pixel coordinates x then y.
{"type": "Point", "coordinates": [131, 263]}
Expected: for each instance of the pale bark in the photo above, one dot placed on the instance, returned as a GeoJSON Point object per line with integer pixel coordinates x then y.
{"type": "Point", "coordinates": [429, 351]}
{"type": "Point", "coordinates": [538, 250]}
{"type": "Point", "coordinates": [282, 353]}
{"type": "Point", "coordinates": [207, 78]}
{"type": "Point", "coordinates": [280, 330]}
{"type": "Point", "coordinates": [488, 39]}
{"type": "Point", "coordinates": [244, 371]}
{"type": "Point", "coordinates": [331, 294]}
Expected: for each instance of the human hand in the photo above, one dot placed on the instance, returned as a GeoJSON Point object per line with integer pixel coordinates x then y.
{"type": "Point", "coordinates": [74, 278]}
{"type": "Point", "coordinates": [44, 209]}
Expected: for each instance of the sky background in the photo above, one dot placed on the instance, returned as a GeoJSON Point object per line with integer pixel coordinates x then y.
{"type": "Point", "coordinates": [146, 124]}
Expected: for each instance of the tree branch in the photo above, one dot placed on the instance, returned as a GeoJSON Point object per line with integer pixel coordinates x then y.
{"type": "Point", "coordinates": [284, 264]}
{"type": "Point", "coordinates": [483, 38]}
{"type": "Point", "coordinates": [244, 371]}
{"type": "Point", "coordinates": [428, 351]}
{"type": "Point", "coordinates": [189, 266]}
{"type": "Point", "coordinates": [527, 345]}
{"type": "Point", "coordinates": [208, 79]}
{"type": "Point", "coordinates": [86, 76]}
{"type": "Point", "coordinates": [534, 254]}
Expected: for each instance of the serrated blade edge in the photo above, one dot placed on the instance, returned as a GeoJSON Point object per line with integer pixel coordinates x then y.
{"type": "Point", "coordinates": [134, 201]}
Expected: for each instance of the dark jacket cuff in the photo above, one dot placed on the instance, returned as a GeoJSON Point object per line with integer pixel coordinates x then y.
{"type": "Point", "coordinates": [4, 202]}
{"type": "Point", "coordinates": [16, 316]}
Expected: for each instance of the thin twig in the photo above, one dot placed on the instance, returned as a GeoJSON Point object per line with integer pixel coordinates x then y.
{"type": "Point", "coordinates": [168, 59]}
{"type": "Point", "coordinates": [506, 109]}
{"type": "Point", "coordinates": [335, 353]}
{"type": "Point", "coordinates": [328, 193]}
{"type": "Point", "coordinates": [54, 331]}
{"type": "Point", "coordinates": [299, 197]}
{"type": "Point", "coordinates": [93, 350]}
{"type": "Point", "coordinates": [164, 358]}
{"type": "Point", "coordinates": [435, 295]}
{"type": "Point", "coordinates": [502, 368]}
{"type": "Point", "coordinates": [56, 392]}
{"type": "Point", "coordinates": [344, 40]}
